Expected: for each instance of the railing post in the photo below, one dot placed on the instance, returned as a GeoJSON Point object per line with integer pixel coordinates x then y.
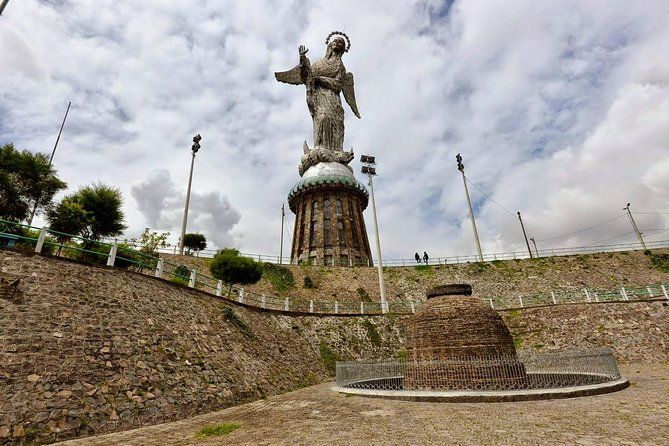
{"type": "Point", "coordinates": [350, 261]}
{"type": "Point", "coordinates": [263, 304]}
{"type": "Point", "coordinates": [159, 269]}
{"type": "Point", "coordinates": [587, 295]}
{"type": "Point", "coordinates": [191, 279]}
{"type": "Point", "coordinates": [219, 288]}
{"type": "Point", "coordinates": [664, 291]}
{"type": "Point", "coordinates": [491, 304]}
{"type": "Point", "coordinates": [311, 306]}
{"type": "Point", "coordinates": [40, 239]}
{"type": "Point", "coordinates": [520, 298]}
{"type": "Point", "coordinates": [362, 307]}
{"type": "Point", "coordinates": [650, 292]}
{"type": "Point", "coordinates": [240, 298]}
{"type": "Point", "coordinates": [553, 297]}
{"type": "Point", "coordinates": [336, 307]}
{"type": "Point", "coordinates": [413, 307]}
{"type": "Point", "coordinates": [286, 305]}
{"type": "Point", "coordinates": [594, 293]}
{"type": "Point", "coordinates": [623, 293]}
{"type": "Point", "coordinates": [111, 258]}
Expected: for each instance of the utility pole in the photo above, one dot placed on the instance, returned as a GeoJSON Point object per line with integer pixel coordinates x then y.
{"type": "Point", "coordinates": [461, 168]}
{"type": "Point", "coordinates": [536, 251]}
{"type": "Point", "coordinates": [524, 234]}
{"type": "Point", "coordinates": [634, 226]}
{"type": "Point", "coordinates": [194, 148]}
{"type": "Point", "coordinates": [2, 5]}
{"type": "Point", "coordinates": [53, 152]}
{"type": "Point", "coordinates": [370, 171]}
{"type": "Point", "coordinates": [283, 213]}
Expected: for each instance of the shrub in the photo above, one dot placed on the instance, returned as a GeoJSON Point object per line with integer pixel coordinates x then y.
{"type": "Point", "coordinates": [194, 242]}
{"type": "Point", "coordinates": [660, 262]}
{"type": "Point", "coordinates": [308, 283]}
{"type": "Point", "coordinates": [182, 272]}
{"type": "Point", "coordinates": [179, 280]}
{"type": "Point", "coordinates": [231, 316]}
{"type": "Point", "coordinates": [279, 276]}
{"type": "Point", "coordinates": [372, 333]}
{"type": "Point", "coordinates": [232, 268]}
{"type": "Point", "coordinates": [126, 257]}
{"type": "Point", "coordinates": [402, 355]}
{"type": "Point", "coordinates": [363, 295]}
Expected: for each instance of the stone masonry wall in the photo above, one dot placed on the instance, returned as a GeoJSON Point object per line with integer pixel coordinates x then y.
{"type": "Point", "coordinates": [86, 350]}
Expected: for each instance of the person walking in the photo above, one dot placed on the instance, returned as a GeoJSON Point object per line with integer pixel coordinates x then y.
{"type": "Point", "coordinates": [425, 257]}
{"type": "Point", "coordinates": [417, 257]}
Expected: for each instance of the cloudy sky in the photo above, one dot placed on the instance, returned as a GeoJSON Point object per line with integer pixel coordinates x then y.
{"type": "Point", "coordinates": [559, 108]}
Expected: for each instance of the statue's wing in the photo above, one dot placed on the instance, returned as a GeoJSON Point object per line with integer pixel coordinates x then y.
{"type": "Point", "coordinates": [290, 77]}
{"type": "Point", "coordinates": [349, 93]}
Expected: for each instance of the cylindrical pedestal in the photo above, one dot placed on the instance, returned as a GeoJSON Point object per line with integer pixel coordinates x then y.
{"type": "Point", "coordinates": [455, 340]}
{"type": "Point", "coordinates": [329, 226]}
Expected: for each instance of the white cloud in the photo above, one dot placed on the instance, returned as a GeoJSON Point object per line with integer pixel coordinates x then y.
{"type": "Point", "coordinates": [559, 108]}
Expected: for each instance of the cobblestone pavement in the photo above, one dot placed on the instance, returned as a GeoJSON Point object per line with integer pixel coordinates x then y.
{"type": "Point", "coordinates": [316, 415]}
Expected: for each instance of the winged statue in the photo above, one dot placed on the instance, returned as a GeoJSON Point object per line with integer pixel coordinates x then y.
{"type": "Point", "coordinates": [324, 80]}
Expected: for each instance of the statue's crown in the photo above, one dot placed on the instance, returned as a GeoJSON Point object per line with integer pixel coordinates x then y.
{"type": "Point", "coordinates": [339, 33]}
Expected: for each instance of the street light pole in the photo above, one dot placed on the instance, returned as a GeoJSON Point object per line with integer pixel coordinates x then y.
{"type": "Point", "coordinates": [534, 242]}
{"type": "Point", "coordinates": [194, 149]}
{"type": "Point", "coordinates": [634, 226]}
{"type": "Point", "coordinates": [525, 234]}
{"type": "Point", "coordinates": [2, 5]}
{"type": "Point", "coordinates": [53, 152]}
{"type": "Point", "coordinates": [283, 213]}
{"type": "Point", "coordinates": [461, 168]}
{"type": "Point", "coordinates": [370, 171]}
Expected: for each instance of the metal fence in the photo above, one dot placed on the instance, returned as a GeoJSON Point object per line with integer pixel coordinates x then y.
{"type": "Point", "coordinates": [49, 242]}
{"type": "Point", "coordinates": [586, 295]}
{"type": "Point", "coordinates": [442, 260]}
{"type": "Point", "coordinates": [526, 371]}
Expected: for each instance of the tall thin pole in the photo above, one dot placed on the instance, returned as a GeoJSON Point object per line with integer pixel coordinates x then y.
{"type": "Point", "coordinates": [634, 226]}
{"type": "Point", "coordinates": [2, 6]}
{"type": "Point", "coordinates": [194, 149]}
{"type": "Point", "coordinates": [525, 234]}
{"type": "Point", "coordinates": [534, 242]}
{"type": "Point", "coordinates": [283, 213]}
{"type": "Point", "coordinates": [53, 152]}
{"type": "Point", "coordinates": [461, 168]}
{"type": "Point", "coordinates": [382, 285]}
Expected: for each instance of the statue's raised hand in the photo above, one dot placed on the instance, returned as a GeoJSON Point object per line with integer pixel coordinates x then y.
{"type": "Point", "coordinates": [303, 50]}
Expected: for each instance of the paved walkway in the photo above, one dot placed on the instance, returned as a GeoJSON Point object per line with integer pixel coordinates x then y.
{"type": "Point", "coordinates": [638, 415]}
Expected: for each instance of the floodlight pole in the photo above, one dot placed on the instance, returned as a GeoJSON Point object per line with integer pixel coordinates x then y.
{"type": "Point", "coordinates": [194, 149]}
{"type": "Point", "coordinates": [379, 264]}
{"type": "Point", "coordinates": [53, 152]}
{"type": "Point", "coordinates": [634, 226]}
{"type": "Point", "coordinates": [525, 234]}
{"type": "Point", "coordinates": [283, 213]}
{"type": "Point", "coordinates": [461, 168]}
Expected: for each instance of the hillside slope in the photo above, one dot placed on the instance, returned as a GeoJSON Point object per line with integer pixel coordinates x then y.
{"type": "Point", "coordinates": [490, 279]}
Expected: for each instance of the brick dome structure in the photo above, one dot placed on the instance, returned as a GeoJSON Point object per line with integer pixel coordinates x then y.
{"type": "Point", "coordinates": [455, 329]}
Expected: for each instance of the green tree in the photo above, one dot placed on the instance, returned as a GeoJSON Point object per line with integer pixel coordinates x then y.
{"type": "Point", "coordinates": [103, 209]}
{"type": "Point", "coordinates": [150, 241]}
{"type": "Point", "coordinates": [25, 177]}
{"type": "Point", "coordinates": [228, 266]}
{"type": "Point", "coordinates": [195, 242]}
{"type": "Point", "coordinates": [68, 218]}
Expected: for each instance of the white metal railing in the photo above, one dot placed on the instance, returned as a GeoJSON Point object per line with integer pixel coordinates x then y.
{"type": "Point", "coordinates": [447, 260]}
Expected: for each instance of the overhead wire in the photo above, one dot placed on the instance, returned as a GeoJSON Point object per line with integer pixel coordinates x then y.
{"type": "Point", "coordinates": [582, 230]}
{"type": "Point", "coordinates": [490, 198]}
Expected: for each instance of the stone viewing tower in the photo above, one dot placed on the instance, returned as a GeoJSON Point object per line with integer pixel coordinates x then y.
{"type": "Point", "coordinates": [328, 201]}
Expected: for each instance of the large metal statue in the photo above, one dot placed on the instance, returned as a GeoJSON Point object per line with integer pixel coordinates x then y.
{"type": "Point", "coordinates": [324, 80]}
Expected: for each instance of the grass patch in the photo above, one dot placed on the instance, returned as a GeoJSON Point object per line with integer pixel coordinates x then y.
{"type": "Point", "coordinates": [279, 276]}
{"type": "Point", "coordinates": [660, 262]}
{"type": "Point", "coordinates": [479, 267]}
{"type": "Point", "coordinates": [517, 342]}
{"type": "Point", "coordinates": [425, 270]}
{"type": "Point", "coordinates": [513, 314]}
{"type": "Point", "coordinates": [231, 316]}
{"type": "Point", "coordinates": [363, 295]}
{"type": "Point", "coordinates": [329, 358]}
{"type": "Point", "coordinates": [372, 333]}
{"type": "Point", "coordinates": [402, 355]}
{"type": "Point", "coordinates": [216, 430]}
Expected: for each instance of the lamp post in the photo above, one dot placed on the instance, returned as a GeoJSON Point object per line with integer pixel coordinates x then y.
{"type": "Point", "coordinates": [634, 226]}
{"type": "Point", "coordinates": [461, 168]}
{"type": "Point", "coordinates": [2, 5]}
{"type": "Point", "coordinates": [536, 251]}
{"type": "Point", "coordinates": [194, 148]}
{"type": "Point", "coordinates": [370, 171]}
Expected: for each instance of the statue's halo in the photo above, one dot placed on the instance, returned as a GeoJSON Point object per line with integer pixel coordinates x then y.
{"type": "Point", "coordinates": [339, 33]}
